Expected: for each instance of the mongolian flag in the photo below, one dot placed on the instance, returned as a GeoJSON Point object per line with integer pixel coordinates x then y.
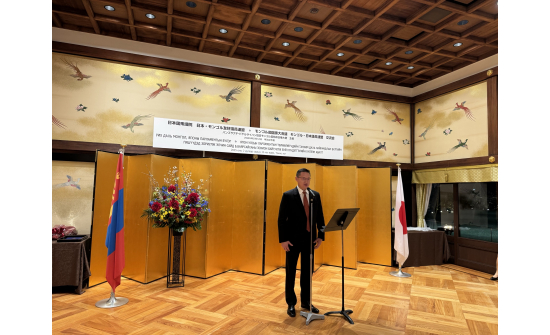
{"type": "Point", "coordinates": [115, 230]}
{"type": "Point", "coordinates": [401, 244]}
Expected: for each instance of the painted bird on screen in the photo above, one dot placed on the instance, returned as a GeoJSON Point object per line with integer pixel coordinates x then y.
{"type": "Point", "coordinates": [297, 110]}
{"type": "Point", "coordinates": [397, 119]}
{"type": "Point", "coordinates": [77, 73]}
{"type": "Point", "coordinates": [353, 115]}
{"type": "Point", "coordinates": [229, 96]}
{"type": "Point", "coordinates": [70, 182]}
{"type": "Point", "coordinates": [466, 110]}
{"type": "Point", "coordinates": [380, 146]}
{"type": "Point", "coordinates": [460, 144]}
{"type": "Point", "coordinates": [423, 135]}
{"type": "Point", "coordinates": [160, 89]}
{"type": "Point", "coordinates": [135, 122]}
{"type": "Point", "coordinates": [58, 123]}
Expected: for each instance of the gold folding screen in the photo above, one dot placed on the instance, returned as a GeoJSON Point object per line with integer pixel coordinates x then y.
{"type": "Point", "coordinates": [220, 220]}
{"type": "Point", "coordinates": [136, 192]}
{"type": "Point", "coordinates": [233, 234]}
{"type": "Point", "coordinates": [340, 191]}
{"type": "Point", "coordinates": [274, 258]}
{"type": "Point", "coordinates": [248, 216]}
{"type": "Point", "coordinates": [105, 180]}
{"type": "Point", "coordinates": [374, 218]}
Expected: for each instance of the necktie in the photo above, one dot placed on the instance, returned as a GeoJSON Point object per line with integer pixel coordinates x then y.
{"type": "Point", "coordinates": [306, 207]}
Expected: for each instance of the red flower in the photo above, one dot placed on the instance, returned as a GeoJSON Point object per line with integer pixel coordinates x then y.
{"type": "Point", "coordinates": [156, 206]}
{"type": "Point", "coordinates": [193, 213]}
{"type": "Point", "coordinates": [172, 188]}
{"type": "Point", "coordinates": [174, 204]}
{"type": "Point", "coordinates": [192, 198]}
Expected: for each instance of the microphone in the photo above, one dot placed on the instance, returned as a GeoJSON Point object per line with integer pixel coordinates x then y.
{"type": "Point", "coordinates": [311, 192]}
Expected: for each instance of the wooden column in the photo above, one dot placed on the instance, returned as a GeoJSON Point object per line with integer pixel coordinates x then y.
{"type": "Point", "coordinates": [492, 114]}
{"type": "Point", "coordinates": [255, 103]}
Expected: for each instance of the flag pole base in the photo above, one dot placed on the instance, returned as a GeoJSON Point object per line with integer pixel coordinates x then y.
{"type": "Point", "coordinates": [311, 316]}
{"type": "Point", "coordinates": [112, 302]}
{"type": "Point", "coordinates": [400, 273]}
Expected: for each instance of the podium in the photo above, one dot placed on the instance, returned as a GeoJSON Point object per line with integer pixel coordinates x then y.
{"type": "Point", "coordinates": [340, 221]}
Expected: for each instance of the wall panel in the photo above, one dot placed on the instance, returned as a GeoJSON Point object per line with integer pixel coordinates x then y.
{"type": "Point", "coordinates": [340, 191]}
{"type": "Point", "coordinates": [248, 219]}
{"type": "Point", "coordinates": [157, 241]}
{"type": "Point", "coordinates": [137, 194]}
{"type": "Point", "coordinates": [105, 181]}
{"type": "Point", "coordinates": [219, 226]}
{"type": "Point", "coordinates": [195, 252]}
{"type": "Point", "coordinates": [374, 217]}
{"type": "Point", "coordinates": [273, 256]}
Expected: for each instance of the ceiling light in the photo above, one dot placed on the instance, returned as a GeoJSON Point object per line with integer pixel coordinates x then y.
{"type": "Point", "coordinates": [266, 21]}
{"type": "Point", "coordinates": [298, 29]}
{"type": "Point", "coordinates": [463, 22]}
{"type": "Point", "coordinates": [109, 8]}
{"type": "Point", "coordinates": [389, 63]}
{"type": "Point", "coordinates": [340, 54]}
{"type": "Point", "coordinates": [286, 44]}
{"type": "Point", "coordinates": [357, 41]}
{"type": "Point", "coordinates": [314, 10]}
{"type": "Point", "coordinates": [149, 16]}
{"type": "Point", "coordinates": [410, 67]}
{"type": "Point", "coordinates": [223, 31]}
{"type": "Point", "coordinates": [408, 52]}
{"type": "Point", "coordinates": [457, 44]}
{"type": "Point", "coordinates": [191, 4]}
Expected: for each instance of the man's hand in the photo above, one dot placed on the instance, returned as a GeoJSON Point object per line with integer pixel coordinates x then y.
{"type": "Point", "coordinates": [317, 243]}
{"type": "Point", "coordinates": [285, 245]}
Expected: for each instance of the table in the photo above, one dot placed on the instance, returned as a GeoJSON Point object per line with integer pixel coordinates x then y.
{"type": "Point", "coordinates": [426, 248]}
{"type": "Point", "coordinates": [70, 265]}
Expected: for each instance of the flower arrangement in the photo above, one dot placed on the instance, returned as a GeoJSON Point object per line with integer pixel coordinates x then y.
{"type": "Point", "coordinates": [177, 206]}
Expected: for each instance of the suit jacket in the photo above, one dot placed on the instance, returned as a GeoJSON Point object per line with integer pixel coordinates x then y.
{"type": "Point", "coordinates": [293, 219]}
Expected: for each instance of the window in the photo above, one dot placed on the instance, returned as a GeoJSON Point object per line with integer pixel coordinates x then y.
{"type": "Point", "coordinates": [440, 211]}
{"type": "Point", "coordinates": [478, 211]}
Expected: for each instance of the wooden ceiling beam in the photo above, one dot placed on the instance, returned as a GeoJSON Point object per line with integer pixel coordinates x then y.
{"type": "Point", "coordinates": [128, 5]}
{"type": "Point", "coordinates": [56, 20]}
{"type": "Point", "coordinates": [169, 11]}
{"type": "Point", "coordinates": [385, 37]}
{"type": "Point", "coordinates": [211, 10]}
{"type": "Point", "coordinates": [470, 30]}
{"type": "Point", "coordinates": [359, 28]}
{"type": "Point", "coordinates": [90, 12]}
{"type": "Point", "coordinates": [492, 38]}
{"type": "Point", "coordinates": [255, 6]}
{"type": "Point", "coordinates": [281, 29]}
{"type": "Point", "coordinates": [331, 17]}
{"type": "Point", "coordinates": [421, 11]}
{"type": "Point", "coordinates": [477, 4]}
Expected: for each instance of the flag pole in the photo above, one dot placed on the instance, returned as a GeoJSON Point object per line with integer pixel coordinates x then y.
{"type": "Point", "coordinates": [113, 301]}
{"type": "Point", "coordinates": [400, 273]}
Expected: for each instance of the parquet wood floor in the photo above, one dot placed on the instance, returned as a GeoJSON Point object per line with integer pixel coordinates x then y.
{"type": "Point", "coordinates": [435, 300]}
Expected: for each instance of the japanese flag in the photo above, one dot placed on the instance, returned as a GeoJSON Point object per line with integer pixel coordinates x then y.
{"type": "Point", "coordinates": [401, 244]}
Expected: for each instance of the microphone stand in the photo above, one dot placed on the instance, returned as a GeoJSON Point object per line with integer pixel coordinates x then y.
{"type": "Point", "coordinates": [310, 316]}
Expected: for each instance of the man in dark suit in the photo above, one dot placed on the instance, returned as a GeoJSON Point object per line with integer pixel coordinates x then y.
{"type": "Point", "coordinates": [295, 225]}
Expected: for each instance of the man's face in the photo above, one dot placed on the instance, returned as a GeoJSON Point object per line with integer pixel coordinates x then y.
{"type": "Point", "coordinates": [303, 180]}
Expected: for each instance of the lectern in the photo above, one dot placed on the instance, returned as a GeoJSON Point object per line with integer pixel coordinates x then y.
{"type": "Point", "coordinates": [340, 221]}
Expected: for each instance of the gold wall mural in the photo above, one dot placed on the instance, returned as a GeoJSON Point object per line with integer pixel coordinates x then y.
{"type": "Point", "coordinates": [452, 126]}
{"type": "Point", "coordinates": [72, 194]}
{"type": "Point", "coordinates": [373, 130]}
{"type": "Point", "coordinates": [109, 102]}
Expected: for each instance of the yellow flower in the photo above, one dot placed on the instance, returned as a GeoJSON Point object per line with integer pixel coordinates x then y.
{"type": "Point", "coordinates": [187, 213]}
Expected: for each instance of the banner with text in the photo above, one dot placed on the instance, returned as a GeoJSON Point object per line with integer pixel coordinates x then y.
{"type": "Point", "coordinates": [201, 136]}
